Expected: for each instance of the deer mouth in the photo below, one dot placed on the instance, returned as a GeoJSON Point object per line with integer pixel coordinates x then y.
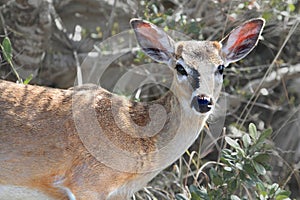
{"type": "Point", "coordinates": [202, 103]}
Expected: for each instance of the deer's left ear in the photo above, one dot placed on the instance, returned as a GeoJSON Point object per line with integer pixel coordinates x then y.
{"type": "Point", "coordinates": [241, 41]}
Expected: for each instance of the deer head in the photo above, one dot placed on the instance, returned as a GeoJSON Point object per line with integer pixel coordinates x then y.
{"type": "Point", "coordinates": [198, 65]}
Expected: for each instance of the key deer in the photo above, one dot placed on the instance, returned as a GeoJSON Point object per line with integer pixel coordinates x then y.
{"type": "Point", "coordinates": [87, 143]}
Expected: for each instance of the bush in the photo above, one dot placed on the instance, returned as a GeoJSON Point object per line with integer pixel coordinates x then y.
{"type": "Point", "coordinates": [242, 171]}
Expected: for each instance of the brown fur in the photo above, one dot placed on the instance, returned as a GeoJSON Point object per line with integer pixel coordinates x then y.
{"type": "Point", "coordinates": [87, 143]}
{"type": "Point", "coordinates": [39, 140]}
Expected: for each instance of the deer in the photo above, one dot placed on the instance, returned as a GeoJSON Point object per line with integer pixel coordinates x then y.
{"type": "Point", "coordinates": [88, 143]}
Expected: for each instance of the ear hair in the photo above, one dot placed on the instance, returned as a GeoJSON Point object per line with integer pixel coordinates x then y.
{"type": "Point", "coordinates": [153, 40]}
{"type": "Point", "coordinates": [242, 40]}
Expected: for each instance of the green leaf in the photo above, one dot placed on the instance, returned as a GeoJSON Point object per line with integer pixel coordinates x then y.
{"type": "Point", "coordinates": [198, 194]}
{"type": "Point", "coordinates": [239, 166]}
{"type": "Point", "coordinates": [246, 140]}
{"type": "Point", "coordinates": [264, 135]}
{"type": "Point", "coordinates": [292, 7]}
{"type": "Point", "coordinates": [195, 196]}
{"type": "Point", "coordinates": [228, 175]}
{"type": "Point", "coordinates": [267, 15]}
{"type": "Point", "coordinates": [234, 197]}
{"type": "Point", "coordinates": [233, 185]}
{"type": "Point", "coordinates": [235, 145]}
{"type": "Point", "coordinates": [232, 142]}
{"type": "Point", "coordinates": [264, 193]}
{"type": "Point", "coordinates": [193, 188]}
{"type": "Point", "coordinates": [273, 188]}
{"type": "Point", "coordinates": [180, 197]}
{"type": "Point", "coordinates": [260, 187]}
{"type": "Point", "coordinates": [7, 49]}
{"type": "Point", "coordinates": [284, 193]}
{"type": "Point", "coordinates": [259, 168]}
{"type": "Point", "coordinates": [226, 82]}
{"type": "Point", "coordinates": [261, 157]}
{"type": "Point", "coordinates": [28, 79]}
{"type": "Point", "coordinates": [229, 169]}
{"type": "Point", "coordinates": [253, 131]}
{"type": "Point", "coordinates": [249, 182]}
{"type": "Point", "coordinates": [7, 53]}
{"type": "Point", "coordinates": [216, 179]}
{"type": "Point", "coordinates": [241, 151]}
{"type": "Point", "coordinates": [158, 20]}
{"type": "Point", "coordinates": [227, 154]}
{"type": "Point", "coordinates": [282, 197]}
{"type": "Point", "coordinates": [249, 168]}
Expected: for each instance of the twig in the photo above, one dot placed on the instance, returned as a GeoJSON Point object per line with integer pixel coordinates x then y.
{"type": "Point", "coordinates": [78, 67]}
{"type": "Point", "coordinates": [205, 165]}
{"type": "Point", "coordinates": [3, 23]}
{"type": "Point", "coordinates": [274, 77]}
{"type": "Point", "coordinates": [110, 21]}
{"type": "Point", "coordinates": [291, 114]}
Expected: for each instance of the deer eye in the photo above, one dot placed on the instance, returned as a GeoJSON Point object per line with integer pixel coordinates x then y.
{"type": "Point", "coordinates": [180, 69]}
{"type": "Point", "coordinates": [221, 69]}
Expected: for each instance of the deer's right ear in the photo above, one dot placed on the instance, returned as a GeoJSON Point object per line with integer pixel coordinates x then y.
{"type": "Point", "coordinates": [241, 41]}
{"type": "Point", "coordinates": [153, 40]}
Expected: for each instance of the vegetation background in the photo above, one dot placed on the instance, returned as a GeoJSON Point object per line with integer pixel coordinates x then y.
{"type": "Point", "coordinates": [263, 89]}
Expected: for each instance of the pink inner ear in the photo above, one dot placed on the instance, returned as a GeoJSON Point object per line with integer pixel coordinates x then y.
{"type": "Point", "coordinates": [244, 33]}
{"type": "Point", "coordinates": [240, 41]}
{"type": "Point", "coordinates": [143, 25]}
{"type": "Point", "coordinates": [153, 40]}
{"type": "Point", "coordinates": [151, 37]}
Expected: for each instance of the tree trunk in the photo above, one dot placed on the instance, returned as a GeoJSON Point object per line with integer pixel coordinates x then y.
{"type": "Point", "coordinates": [41, 33]}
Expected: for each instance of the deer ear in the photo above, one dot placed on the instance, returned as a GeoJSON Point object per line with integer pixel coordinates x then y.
{"type": "Point", "coordinates": [153, 40]}
{"type": "Point", "coordinates": [241, 41]}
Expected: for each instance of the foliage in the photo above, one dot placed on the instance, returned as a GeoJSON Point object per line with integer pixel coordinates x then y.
{"type": "Point", "coordinates": [170, 20]}
{"type": "Point", "coordinates": [7, 53]}
{"type": "Point", "coordinates": [244, 166]}
{"type": "Point", "coordinates": [242, 171]}
{"type": "Point", "coordinates": [6, 48]}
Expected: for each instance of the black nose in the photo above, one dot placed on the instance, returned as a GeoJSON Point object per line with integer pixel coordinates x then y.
{"type": "Point", "coordinates": [201, 103]}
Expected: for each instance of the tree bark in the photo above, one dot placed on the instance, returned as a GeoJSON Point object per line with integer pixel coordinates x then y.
{"type": "Point", "coordinates": [41, 35]}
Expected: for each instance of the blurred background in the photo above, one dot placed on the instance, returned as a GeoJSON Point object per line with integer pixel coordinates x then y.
{"type": "Point", "coordinates": [51, 38]}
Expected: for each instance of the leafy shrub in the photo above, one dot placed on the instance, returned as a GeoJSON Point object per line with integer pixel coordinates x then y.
{"type": "Point", "coordinates": [242, 171]}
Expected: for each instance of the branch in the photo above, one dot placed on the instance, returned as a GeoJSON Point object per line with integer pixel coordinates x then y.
{"type": "Point", "coordinates": [274, 78]}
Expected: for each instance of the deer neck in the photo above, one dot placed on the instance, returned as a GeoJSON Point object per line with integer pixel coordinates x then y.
{"type": "Point", "coordinates": [135, 136]}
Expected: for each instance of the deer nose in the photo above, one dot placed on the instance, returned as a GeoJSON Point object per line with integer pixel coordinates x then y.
{"type": "Point", "coordinates": [202, 103]}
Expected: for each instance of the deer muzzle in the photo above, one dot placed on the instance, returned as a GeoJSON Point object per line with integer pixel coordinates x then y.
{"type": "Point", "coordinates": [202, 103]}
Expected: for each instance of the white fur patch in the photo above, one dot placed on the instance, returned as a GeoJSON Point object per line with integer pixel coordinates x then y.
{"type": "Point", "coordinates": [8, 192]}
